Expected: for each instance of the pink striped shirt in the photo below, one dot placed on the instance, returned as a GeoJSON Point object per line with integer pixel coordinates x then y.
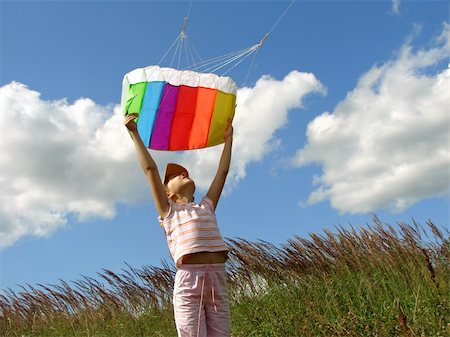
{"type": "Point", "coordinates": [192, 228]}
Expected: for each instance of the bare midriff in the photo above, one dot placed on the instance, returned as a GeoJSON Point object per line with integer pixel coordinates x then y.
{"type": "Point", "coordinates": [203, 258]}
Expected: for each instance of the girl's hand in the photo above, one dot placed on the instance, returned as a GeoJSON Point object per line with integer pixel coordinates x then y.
{"type": "Point", "coordinates": [130, 123]}
{"type": "Point", "coordinates": [229, 130]}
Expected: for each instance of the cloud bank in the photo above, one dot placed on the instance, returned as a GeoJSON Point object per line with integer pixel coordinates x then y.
{"type": "Point", "coordinates": [261, 111]}
{"type": "Point", "coordinates": [386, 145]}
{"type": "Point", "coordinates": [60, 159]}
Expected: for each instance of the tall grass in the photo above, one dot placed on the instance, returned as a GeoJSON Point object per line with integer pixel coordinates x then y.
{"type": "Point", "coordinates": [378, 281]}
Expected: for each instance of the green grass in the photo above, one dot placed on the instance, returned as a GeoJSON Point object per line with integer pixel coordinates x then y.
{"type": "Point", "coordinates": [377, 282]}
{"type": "Point", "coordinates": [333, 305]}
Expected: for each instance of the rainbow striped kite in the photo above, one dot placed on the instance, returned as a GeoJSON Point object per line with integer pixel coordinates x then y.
{"type": "Point", "coordinates": [178, 110]}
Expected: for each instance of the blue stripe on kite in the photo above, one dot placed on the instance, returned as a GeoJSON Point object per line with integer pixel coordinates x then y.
{"type": "Point", "coordinates": [150, 105]}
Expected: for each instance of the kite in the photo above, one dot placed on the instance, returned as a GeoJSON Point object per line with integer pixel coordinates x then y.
{"type": "Point", "coordinates": [182, 110]}
{"type": "Point", "coordinates": [179, 109]}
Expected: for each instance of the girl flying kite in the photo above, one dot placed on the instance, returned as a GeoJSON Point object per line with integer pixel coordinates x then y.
{"type": "Point", "coordinates": [200, 296]}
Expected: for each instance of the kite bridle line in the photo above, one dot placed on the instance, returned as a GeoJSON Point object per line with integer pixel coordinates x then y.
{"type": "Point", "coordinates": [212, 65]}
{"type": "Point", "coordinates": [183, 30]}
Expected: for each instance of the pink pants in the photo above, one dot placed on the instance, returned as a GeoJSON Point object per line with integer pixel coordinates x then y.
{"type": "Point", "coordinates": [200, 301]}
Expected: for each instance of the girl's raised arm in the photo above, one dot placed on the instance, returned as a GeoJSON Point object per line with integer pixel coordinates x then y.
{"type": "Point", "coordinates": [216, 188]}
{"type": "Point", "coordinates": [149, 167]}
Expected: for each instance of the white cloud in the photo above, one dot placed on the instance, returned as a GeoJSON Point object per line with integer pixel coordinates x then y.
{"type": "Point", "coordinates": [260, 111]}
{"type": "Point", "coordinates": [386, 145]}
{"type": "Point", "coordinates": [395, 7]}
{"type": "Point", "coordinates": [59, 158]}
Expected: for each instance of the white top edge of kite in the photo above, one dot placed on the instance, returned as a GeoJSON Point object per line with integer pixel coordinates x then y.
{"type": "Point", "coordinates": [179, 77]}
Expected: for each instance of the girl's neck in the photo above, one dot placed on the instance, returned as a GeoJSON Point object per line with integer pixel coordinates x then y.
{"type": "Point", "coordinates": [183, 199]}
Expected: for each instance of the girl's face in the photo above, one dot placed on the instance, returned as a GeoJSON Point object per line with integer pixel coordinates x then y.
{"type": "Point", "coordinates": [180, 184]}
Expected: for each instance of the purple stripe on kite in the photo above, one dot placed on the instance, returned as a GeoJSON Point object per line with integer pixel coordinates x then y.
{"type": "Point", "coordinates": [164, 116]}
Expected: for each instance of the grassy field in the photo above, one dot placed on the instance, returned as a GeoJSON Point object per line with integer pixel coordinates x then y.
{"type": "Point", "coordinates": [381, 280]}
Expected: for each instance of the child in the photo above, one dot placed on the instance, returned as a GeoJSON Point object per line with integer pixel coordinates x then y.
{"type": "Point", "coordinates": [200, 295]}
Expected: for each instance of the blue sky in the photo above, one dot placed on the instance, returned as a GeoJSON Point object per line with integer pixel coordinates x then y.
{"type": "Point", "coordinates": [344, 113]}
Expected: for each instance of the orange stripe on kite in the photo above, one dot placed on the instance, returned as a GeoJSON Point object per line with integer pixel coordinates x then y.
{"type": "Point", "coordinates": [202, 119]}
